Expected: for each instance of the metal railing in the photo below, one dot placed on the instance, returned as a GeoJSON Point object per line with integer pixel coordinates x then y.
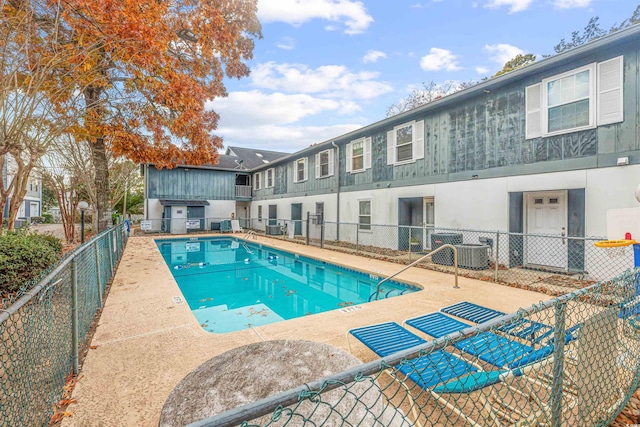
{"type": "Point", "coordinates": [243, 191]}
{"type": "Point", "coordinates": [430, 254]}
{"type": "Point", "coordinates": [577, 363]}
{"type": "Point", "coordinates": [43, 329]}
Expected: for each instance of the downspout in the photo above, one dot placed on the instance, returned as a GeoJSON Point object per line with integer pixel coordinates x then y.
{"type": "Point", "coordinates": [337, 166]}
{"type": "Point", "coordinates": [146, 191]}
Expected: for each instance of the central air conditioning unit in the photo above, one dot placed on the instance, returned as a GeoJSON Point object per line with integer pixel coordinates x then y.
{"type": "Point", "coordinates": [473, 256]}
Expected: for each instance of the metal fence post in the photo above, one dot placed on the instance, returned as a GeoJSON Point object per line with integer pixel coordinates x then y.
{"type": "Point", "coordinates": [97, 253]}
{"type": "Point", "coordinates": [74, 314]}
{"type": "Point", "coordinates": [558, 365]}
{"type": "Point", "coordinates": [322, 234]}
{"type": "Point", "coordinates": [357, 238]}
{"type": "Point", "coordinates": [410, 237]}
{"type": "Point", "coordinates": [497, 257]}
{"type": "Point", "coordinates": [308, 215]}
{"type": "Point", "coordinates": [108, 235]}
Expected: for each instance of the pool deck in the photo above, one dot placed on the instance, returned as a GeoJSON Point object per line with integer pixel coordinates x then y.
{"type": "Point", "coordinates": [145, 343]}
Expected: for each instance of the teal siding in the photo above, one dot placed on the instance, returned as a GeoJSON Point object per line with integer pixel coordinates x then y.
{"type": "Point", "coordinates": [191, 184]}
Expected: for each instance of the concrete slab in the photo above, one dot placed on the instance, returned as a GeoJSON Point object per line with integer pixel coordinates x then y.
{"type": "Point", "coordinates": [146, 343]}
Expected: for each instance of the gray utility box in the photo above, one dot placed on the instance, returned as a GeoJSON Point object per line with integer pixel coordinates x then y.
{"type": "Point", "coordinates": [445, 257]}
{"type": "Point", "coordinates": [473, 256]}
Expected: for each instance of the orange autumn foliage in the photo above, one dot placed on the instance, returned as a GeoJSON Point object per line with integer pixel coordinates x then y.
{"type": "Point", "coordinates": [146, 69]}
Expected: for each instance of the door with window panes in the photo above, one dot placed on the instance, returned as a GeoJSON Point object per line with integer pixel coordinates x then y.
{"type": "Point", "coordinates": [546, 225]}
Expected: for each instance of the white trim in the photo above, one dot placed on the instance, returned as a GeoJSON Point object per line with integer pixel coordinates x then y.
{"type": "Point", "coordinates": [370, 230]}
{"type": "Point", "coordinates": [266, 178]}
{"type": "Point", "coordinates": [305, 169]}
{"type": "Point", "coordinates": [350, 155]}
{"type": "Point", "coordinates": [330, 165]}
{"type": "Point", "coordinates": [592, 100]}
{"type": "Point", "coordinates": [257, 184]}
{"type": "Point", "coordinates": [416, 138]}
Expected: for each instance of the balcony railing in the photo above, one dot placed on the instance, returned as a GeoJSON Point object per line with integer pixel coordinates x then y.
{"type": "Point", "coordinates": [243, 191]}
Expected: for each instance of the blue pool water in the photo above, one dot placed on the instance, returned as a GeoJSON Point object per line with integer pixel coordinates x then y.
{"type": "Point", "coordinates": [231, 285]}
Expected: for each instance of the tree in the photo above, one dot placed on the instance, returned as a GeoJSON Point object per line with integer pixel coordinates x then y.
{"type": "Point", "coordinates": [593, 31]}
{"type": "Point", "coordinates": [428, 93]}
{"type": "Point", "coordinates": [518, 61]}
{"type": "Point", "coordinates": [29, 120]}
{"type": "Point", "coordinates": [145, 84]}
{"type": "Point", "coordinates": [64, 176]}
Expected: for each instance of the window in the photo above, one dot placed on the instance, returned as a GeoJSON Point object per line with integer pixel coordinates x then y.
{"type": "Point", "coordinates": [364, 216]}
{"type": "Point", "coordinates": [405, 143]}
{"type": "Point", "coordinates": [300, 170]}
{"type": "Point", "coordinates": [256, 181]}
{"type": "Point", "coordinates": [260, 213]}
{"type": "Point", "coordinates": [324, 164]}
{"type": "Point", "coordinates": [576, 100]}
{"type": "Point", "coordinates": [269, 178]}
{"type": "Point", "coordinates": [359, 155]}
{"type": "Point", "coordinates": [568, 101]}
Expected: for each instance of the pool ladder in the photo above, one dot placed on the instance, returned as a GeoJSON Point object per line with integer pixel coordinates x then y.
{"type": "Point", "coordinates": [246, 237]}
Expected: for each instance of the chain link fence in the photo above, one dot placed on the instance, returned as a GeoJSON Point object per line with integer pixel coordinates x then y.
{"type": "Point", "coordinates": [44, 328]}
{"type": "Point", "coordinates": [573, 360]}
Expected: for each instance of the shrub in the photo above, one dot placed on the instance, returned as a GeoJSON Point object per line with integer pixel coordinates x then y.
{"type": "Point", "coordinates": [48, 218]}
{"type": "Point", "coordinates": [24, 256]}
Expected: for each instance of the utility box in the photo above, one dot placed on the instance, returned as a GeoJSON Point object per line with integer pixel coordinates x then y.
{"type": "Point", "coordinates": [473, 256]}
{"type": "Point", "coordinates": [445, 257]}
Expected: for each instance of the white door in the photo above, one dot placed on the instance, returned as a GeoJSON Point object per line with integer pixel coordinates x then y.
{"type": "Point", "coordinates": [178, 219]}
{"type": "Point", "coordinates": [429, 220]}
{"type": "Point", "coordinates": [546, 228]}
{"type": "Point", "coordinates": [33, 209]}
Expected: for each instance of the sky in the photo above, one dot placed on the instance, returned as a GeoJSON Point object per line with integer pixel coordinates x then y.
{"type": "Point", "coordinates": [326, 67]}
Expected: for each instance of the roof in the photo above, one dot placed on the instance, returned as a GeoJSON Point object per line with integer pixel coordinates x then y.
{"type": "Point", "coordinates": [253, 158]}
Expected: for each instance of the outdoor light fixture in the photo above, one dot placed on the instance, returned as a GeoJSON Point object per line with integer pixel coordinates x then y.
{"type": "Point", "coordinates": [83, 206]}
{"type": "Point", "coordinates": [622, 161]}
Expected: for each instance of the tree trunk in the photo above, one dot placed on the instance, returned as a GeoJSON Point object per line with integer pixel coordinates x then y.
{"type": "Point", "coordinates": [103, 204]}
{"type": "Point", "coordinates": [93, 117]}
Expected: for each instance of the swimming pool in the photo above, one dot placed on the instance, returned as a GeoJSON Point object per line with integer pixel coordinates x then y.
{"type": "Point", "coordinates": [232, 285]}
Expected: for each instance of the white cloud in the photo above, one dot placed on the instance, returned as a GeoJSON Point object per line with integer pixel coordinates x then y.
{"type": "Point", "coordinates": [439, 59]}
{"type": "Point", "coordinates": [373, 56]}
{"type": "Point", "coordinates": [502, 52]}
{"type": "Point", "coordinates": [287, 43]}
{"type": "Point", "coordinates": [283, 138]}
{"type": "Point", "coordinates": [255, 108]}
{"type": "Point", "coordinates": [330, 81]}
{"type": "Point", "coordinates": [514, 5]}
{"type": "Point", "coordinates": [482, 70]}
{"type": "Point", "coordinates": [569, 4]}
{"type": "Point", "coordinates": [352, 14]}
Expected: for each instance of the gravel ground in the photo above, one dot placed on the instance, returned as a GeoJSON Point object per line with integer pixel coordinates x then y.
{"type": "Point", "coordinates": [55, 229]}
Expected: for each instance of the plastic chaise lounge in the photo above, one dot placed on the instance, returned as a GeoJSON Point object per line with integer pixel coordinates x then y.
{"type": "Point", "coordinates": [490, 347]}
{"type": "Point", "coordinates": [523, 328]}
{"type": "Point", "coordinates": [437, 372]}
{"type": "Point", "coordinates": [235, 226]}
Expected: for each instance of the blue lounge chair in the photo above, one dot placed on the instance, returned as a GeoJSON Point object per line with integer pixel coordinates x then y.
{"type": "Point", "coordinates": [525, 329]}
{"type": "Point", "coordinates": [492, 348]}
{"type": "Point", "coordinates": [487, 346]}
{"type": "Point", "coordinates": [438, 372]}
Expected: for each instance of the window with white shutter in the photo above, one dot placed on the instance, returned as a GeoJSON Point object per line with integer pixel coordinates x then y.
{"type": "Point", "coordinates": [610, 80]}
{"type": "Point", "coordinates": [405, 143]}
{"type": "Point", "coordinates": [256, 181]}
{"type": "Point", "coordinates": [324, 164]}
{"type": "Point", "coordinates": [269, 178]}
{"type": "Point", "coordinates": [300, 170]}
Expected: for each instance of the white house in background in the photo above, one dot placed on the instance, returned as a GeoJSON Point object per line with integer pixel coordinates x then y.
{"type": "Point", "coordinates": [32, 204]}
